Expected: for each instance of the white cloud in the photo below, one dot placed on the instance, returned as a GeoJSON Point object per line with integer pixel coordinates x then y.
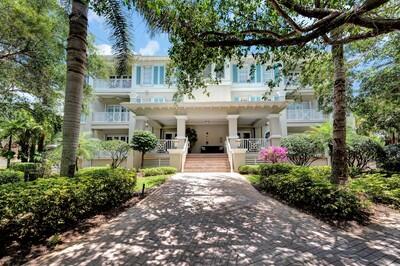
{"type": "Point", "coordinates": [104, 49]}
{"type": "Point", "coordinates": [93, 17]}
{"type": "Point", "coordinates": [152, 47]}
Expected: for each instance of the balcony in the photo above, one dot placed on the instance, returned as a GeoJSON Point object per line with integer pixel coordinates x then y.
{"type": "Point", "coordinates": [305, 115]}
{"type": "Point", "coordinates": [124, 84]}
{"type": "Point", "coordinates": [110, 117]}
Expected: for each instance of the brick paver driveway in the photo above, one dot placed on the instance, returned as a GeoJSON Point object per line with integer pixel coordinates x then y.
{"type": "Point", "coordinates": [214, 219]}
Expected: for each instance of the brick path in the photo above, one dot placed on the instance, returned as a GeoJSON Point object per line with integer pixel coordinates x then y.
{"type": "Point", "coordinates": [219, 219]}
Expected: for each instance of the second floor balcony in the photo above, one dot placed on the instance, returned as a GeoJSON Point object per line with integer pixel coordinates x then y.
{"type": "Point", "coordinates": [113, 84]}
{"type": "Point", "coordinates": [110, 117]}
{"type": "Point", "coordinates": [305, 115]}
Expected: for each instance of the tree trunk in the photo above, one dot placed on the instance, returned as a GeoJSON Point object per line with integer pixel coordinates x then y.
{"type": "Point", "coordinates": [32, 150]}
{"type": "Point", "coordinates": [339, 154]}
{"type": "Point", "coordinates": [142, 162]}
{"type": "Point", "coordinates": [40, 143]}
{"type": "Point", "coordinates": [9, 151]}
{"type": "Point", "coordinates": [76, 69]}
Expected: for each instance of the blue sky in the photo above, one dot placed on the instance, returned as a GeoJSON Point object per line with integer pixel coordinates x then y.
{"type": "Point", "coordinates": [142, 41]}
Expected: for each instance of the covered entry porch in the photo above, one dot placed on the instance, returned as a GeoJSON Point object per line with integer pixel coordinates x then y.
{"type": "Point", "coordinates": [223, 127]}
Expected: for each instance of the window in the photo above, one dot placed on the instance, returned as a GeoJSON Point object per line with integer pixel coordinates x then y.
{"type": "Point", "coordinates": [268, 74]}
{"type": "Point", "coordinates": [158, 75]}
{"type": "Point", "coordinates": [207, 72]}
{"type": "Point", "coordinates": [158, 100]}
{"type": "Point", "coordinates": [147, 75]}
{"type": "Point", "coordinates": [236, 99]}
{"type": "Point", "coordinates": [247, 74]}
{"type": "Point", "coordinates": [255, 98]}
{"type": "Point", "coordinates": [219, 71]}
{"type": "Point", "coordinates": [116, 113]}
{"type": "Point", "coordinates": [118, 137]}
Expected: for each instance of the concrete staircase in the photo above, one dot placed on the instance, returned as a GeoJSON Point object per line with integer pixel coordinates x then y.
{"type": "Point", "coordinates": [207, 162]}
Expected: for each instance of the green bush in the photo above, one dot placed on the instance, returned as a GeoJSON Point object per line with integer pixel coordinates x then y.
{"type": "Point", "coordinates": [379, 188]}
{"type": "Point", "coordinates": [158, 171]}
{"type": "Point", "coordinates": [36, 209]}
{"type": "Point", "coordinates": [302, 149]}
{"type": "Point", "coordinates": [10, 176]}
{"type": "Point", "coordinates": [361, 150]}
{"type": "Point", "coordinates": [308, 188]}
{"type": "Point", "coordinates": [390, 158]}
{"type": "Point", "coordinates": [249, 169]}
{"type": "Point", "coordinates": [91, 170]}
{"type": "Point", "coordinates": [275, 168]}
{"type": "Point", "coordinates": [31, 170]}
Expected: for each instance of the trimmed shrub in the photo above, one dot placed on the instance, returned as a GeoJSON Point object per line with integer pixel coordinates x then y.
{"type": "Point", "coordinates": [91, 170]}
{"type": "Point", "coordinates": [309, 189]}
{"type": "Point", "coordinates": [158, 171]}
{"type": "Point", "coordinates": [379, 188]}
{"type": "Point", "coordinates": [302, 149]}
{"type": "Point", "coordinates": [276, 168]}
{"type": "Point", "coordinates": [10, 176]}
{"type": "Point", "coordinates": [249, 169]}
{"type": "Point", "coordinates": [390, 159]}
{"type": "Point", "coordinates": [31, 170]}
{"type": "Point", "coordinates": [36, 209]}
{"type": "Point", "coordinates": [360, 151]}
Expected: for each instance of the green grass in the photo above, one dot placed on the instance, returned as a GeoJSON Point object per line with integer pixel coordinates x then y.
{"type": "Point", "coordinates": [253, 179]}
{"type": "Point", "coordinates": [150, 181]}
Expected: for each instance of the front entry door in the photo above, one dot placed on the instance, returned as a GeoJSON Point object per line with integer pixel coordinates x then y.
{"type": "Point", "coordinates": [244, 134]}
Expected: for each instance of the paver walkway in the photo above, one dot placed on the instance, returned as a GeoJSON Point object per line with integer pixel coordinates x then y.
{"type": "Point", "coordinates": [220, 219]}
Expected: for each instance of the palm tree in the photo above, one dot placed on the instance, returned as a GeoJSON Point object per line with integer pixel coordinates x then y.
{"type": "Point", "coordinates": [112, 10]}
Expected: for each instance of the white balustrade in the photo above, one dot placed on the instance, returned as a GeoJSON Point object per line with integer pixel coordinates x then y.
{"type": "Point", "coordinates": [111, 84]}
{"type": "Point", "coordinates": [251, 145]}
{"type": "Point", "coordinates": [164, 145]}
{"type": "Point", "coordinates": [304, 115]}
{"type": "Point", "coordinates": [111, 117]}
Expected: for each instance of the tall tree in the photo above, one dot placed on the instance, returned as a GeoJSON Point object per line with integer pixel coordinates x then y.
{"type": "Point", "coordinates": [205, 32]}
{"type": "Point", "coordinates": [112, 10]}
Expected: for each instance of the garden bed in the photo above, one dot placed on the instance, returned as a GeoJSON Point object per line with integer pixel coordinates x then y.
{"type": "Point", "coordinates": [118, 190]}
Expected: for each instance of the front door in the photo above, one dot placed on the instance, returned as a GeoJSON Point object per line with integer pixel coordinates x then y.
{"type": "Point", "coordinates": [244, 134]}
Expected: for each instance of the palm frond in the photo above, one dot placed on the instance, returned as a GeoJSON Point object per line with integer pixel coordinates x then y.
{"type": "Point", "coordinates": [113, 12]}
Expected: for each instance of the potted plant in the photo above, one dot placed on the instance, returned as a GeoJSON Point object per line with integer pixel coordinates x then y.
{"type": "Point", "coordinates": [191, 134]}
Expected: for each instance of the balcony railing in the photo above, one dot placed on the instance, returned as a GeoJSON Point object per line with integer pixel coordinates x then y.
{"type": "Point", "coordinates": [110, 117]}
{"type": "Point", "coordinates": [164, 145]}
{"type": "Point", "coordinates": [305, 115]}
{"type": "Point", "coordinates": [112, 84]}
{"type": "Point", "coordinates": [251, 145]}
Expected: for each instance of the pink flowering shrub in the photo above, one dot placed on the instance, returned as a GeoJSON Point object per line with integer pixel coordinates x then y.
{"type": "Point", "coordinates": [273, 154]}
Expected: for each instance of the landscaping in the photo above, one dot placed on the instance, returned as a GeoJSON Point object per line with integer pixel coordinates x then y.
{"type": "Point", "coordinates": [31, 211]}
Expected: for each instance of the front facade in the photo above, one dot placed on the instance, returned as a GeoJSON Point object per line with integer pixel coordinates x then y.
{"type": "Point", "coordinates": [234, 118]}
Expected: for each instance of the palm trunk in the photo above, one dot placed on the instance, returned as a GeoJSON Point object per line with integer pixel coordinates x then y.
{"type": "Point", "coordinates": [339, 154]}
{"type": "Point", "coordinates": [76, 69]}
{"type": "Point", "coordinates": [9, 151]}
{"type": "Point", "coordinates": [40, 143]}
{"type": "Point", "coordinates": [32, 150]}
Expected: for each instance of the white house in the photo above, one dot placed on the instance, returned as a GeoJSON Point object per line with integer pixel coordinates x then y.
{"type": "Point", "coordinates": [233, 120]}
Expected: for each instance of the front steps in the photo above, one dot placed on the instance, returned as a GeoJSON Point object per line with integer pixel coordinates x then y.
{"type": "Point", "coordinates": [207, 162]}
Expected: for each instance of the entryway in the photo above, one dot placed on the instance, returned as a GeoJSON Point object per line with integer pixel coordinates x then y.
{"type": "Point", "coordinates": [207, 162]}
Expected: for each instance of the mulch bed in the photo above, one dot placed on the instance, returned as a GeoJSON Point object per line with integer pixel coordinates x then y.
{"type": "Point", "coordinates": [18, 254]}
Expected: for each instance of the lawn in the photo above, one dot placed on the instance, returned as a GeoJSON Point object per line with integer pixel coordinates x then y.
{"type": "Point", "coordinates": [150, 181]}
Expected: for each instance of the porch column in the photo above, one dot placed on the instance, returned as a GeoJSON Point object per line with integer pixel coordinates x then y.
{"type": "Point", "coordinates": [181, 126]}
{"type": "Point", "coordinates": [232, 126]}
{"type": "Point", "coordinates": [130, 160]}
{"type": "Point", "coordinates": [275, 129]}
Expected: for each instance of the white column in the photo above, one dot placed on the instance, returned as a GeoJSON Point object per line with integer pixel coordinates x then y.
{"type": "Point", "coordinates": [232, 126]}
{"type": "Point", "coordinates": [283, 120]}
{"type": "Point", "coordinates": [181, 126]}
{"type": "Point", "coordinates": [275, 129]}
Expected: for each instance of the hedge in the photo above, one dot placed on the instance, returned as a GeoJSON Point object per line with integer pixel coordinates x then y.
{"type": "Point", "coordinates": [10, 176]}
{"type": "Point", "coordinates": [309, 188]}
{"type": "Point", "coordinates": [158, 171]}
{"type": "Point", "coordinates": [31, 170]}
{"type": "Point", "coordinates": [36, 209]}
{"type": "Point", "coordinates": [379, 188]}
{"type": "Point", "coordinates": [249, 169]}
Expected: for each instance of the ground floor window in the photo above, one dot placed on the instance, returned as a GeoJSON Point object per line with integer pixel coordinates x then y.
{"type": "Point", "coordinates": [118, 137]}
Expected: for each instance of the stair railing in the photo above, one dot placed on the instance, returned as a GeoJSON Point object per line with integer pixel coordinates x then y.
{"type": "Point", "coordinates": [184, 153]}
{"type": "Point", "coordinates": [229, 152]}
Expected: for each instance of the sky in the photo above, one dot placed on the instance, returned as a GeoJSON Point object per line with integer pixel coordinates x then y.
{"type": "Point", "coordinates": [143, 43]}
